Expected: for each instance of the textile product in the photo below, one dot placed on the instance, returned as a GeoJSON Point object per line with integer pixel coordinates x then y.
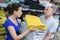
{"type": "Point", "coordinates": [2, 16]}
{"type": "Point", "coordinates": [2, 13]}
{"type": "Point", "coordinates": [2, 19]}
{"type": "Point", "coordinates": [1, 1]}
{"type": "Point", "coordinates": [2, 37]}
{"type": "Point", "coordinates": [6, 1]}
{"type": "Point", "coordinates": [34, 22]}
{"type": "Point", "coordinates": [14, 1]}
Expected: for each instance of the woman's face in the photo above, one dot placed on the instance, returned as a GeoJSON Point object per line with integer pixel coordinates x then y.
{"type": "Point", "coordinates": [18, 13]}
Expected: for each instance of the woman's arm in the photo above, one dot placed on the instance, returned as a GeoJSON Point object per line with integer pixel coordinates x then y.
{"type": "Point", "coordinates": [14, 35]}
{"type": "Point", "coordinates": [48, 37]}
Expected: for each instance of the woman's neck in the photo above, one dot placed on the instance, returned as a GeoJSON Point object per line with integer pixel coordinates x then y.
{"type": "Point", "coordinates": [13, 17]}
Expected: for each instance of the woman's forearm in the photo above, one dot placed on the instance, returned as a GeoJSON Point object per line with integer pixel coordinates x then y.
{"type": "Point", "coordinates": [23, 34]}
{"type": "Point", "coordinates": [48, 37]}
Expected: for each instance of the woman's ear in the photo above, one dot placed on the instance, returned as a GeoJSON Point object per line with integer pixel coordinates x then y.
{"type": "Point", "coordinates": [15, 12]}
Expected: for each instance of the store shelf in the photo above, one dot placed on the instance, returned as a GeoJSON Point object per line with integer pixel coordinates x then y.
{"type": "Point", "coordinates": [3, 5]}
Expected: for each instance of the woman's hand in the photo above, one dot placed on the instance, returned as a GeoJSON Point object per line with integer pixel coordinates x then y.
{"type": "Point", "coordinates": [33, 29]}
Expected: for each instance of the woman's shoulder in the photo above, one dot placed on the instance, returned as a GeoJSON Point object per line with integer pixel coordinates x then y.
{"type": "Point", "coordinates": [7, 23]}
{"type": "Point", "coordinates": [7, 20]}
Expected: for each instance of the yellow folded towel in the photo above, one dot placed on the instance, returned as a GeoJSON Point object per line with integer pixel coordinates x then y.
{"type": "Point", "coordinates": [2, 37]}
{"type": "Point", "coordinates": [2, 13]}
{"type": "Point", "coordinates": [34, 22]}
{"type": "Point", "coordinates": [2, 19]}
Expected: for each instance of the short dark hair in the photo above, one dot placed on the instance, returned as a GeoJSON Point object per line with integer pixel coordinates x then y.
{"type": "Point", "coordinates": [13, 7]}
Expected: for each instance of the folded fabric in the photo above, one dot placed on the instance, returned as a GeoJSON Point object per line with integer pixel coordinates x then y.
{"type": "Point", "coordinates": [1, 1]}
{"type": "Point", "coordinates": [2, 37]}
{"type": "Point", "coordinates": [14, 1]}
{"type": "Point", "coordinates": [2, 13]}
{"type": "Point", "coordinates": [2, 19]}
{"type": "Point", "coordinates": [2, 16]}
{"type": "Point", "coordinates": [6, 1]}
{"type": "Point", "coordinates": [34, 22]}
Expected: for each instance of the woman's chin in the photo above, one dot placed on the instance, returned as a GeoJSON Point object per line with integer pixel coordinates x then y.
{"type": "Point", "coordinates": [19, 16]}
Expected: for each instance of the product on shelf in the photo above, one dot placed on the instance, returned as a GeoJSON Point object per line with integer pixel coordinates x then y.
{"type": "Point", "coordinates": [34, 22]}
{"type": "Point", "coordinates": [2, 16]}
{"type": "Point", "coordinates": [6, 1]}
{"type": "Point", "coordinates": [1, 1]}
{"type": "Point", "coordinates": [2, 38]}
{"type": "Point", "coordinates": [11, 1]}
{"type": "Point", "coordinates": [58, 10]}
{"type": "Point", "coordinates": [2, 20]}
{"type": "Point", "coordinates": [2, 13]}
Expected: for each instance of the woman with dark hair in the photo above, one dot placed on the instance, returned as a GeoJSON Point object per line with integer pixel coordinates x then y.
{"type": "Point", "coordinates": [11, 25]}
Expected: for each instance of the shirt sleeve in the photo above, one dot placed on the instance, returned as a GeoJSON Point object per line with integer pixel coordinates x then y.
{"type": "Point", "coordinates": [7, 23]}
{"type": "Point", "coordinates": [54, 27]}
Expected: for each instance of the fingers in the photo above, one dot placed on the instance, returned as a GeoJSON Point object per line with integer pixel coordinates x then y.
{"type": "Point", "coordinates": [33, 29]}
